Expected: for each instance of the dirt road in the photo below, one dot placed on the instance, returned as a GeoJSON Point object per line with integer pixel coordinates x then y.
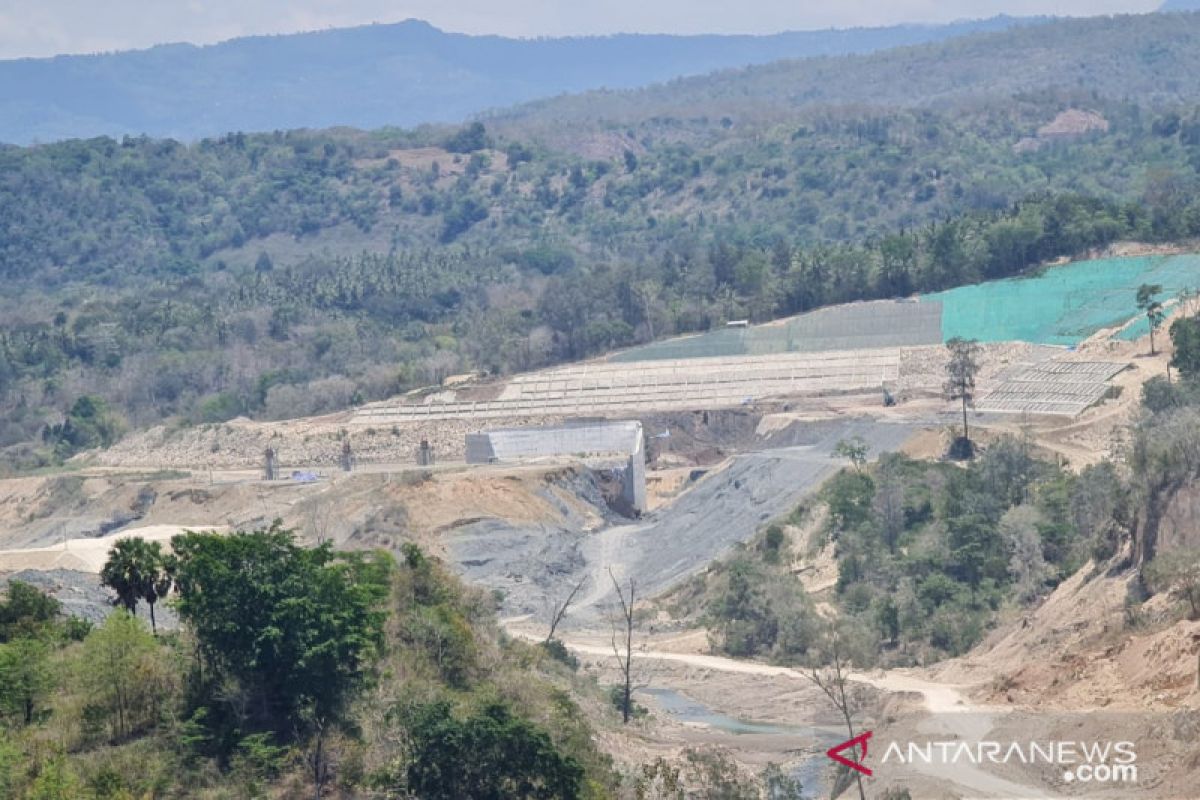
{"type": "Point", "coordinates": [952, 716]}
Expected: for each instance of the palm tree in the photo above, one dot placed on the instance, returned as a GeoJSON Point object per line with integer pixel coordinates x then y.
{"type": "Point", "coordinates": [160, 581]}
{"type": "Point", "coordinates": [125, 571]}
{"type": "Point", "coordinates": [139, 570]}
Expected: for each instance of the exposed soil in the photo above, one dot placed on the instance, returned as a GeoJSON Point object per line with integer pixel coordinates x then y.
{"type": "Point", "coordinates": [715, 478]}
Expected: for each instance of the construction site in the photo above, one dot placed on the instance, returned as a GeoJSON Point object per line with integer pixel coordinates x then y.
{"type": "Point", "coordinates": [649, 464]}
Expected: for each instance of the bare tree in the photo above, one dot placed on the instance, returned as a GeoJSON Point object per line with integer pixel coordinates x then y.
{"type": "Point", "coordinates": [624, 660]}
{"type": "Point", "coordinates": [321, 520]}
{"type": "Point", "coordinates": [558, 610]}
{"type": "Point", "coordinates": [439, 365]}
{"type": "Point", "coordinates": [831, 679]}
{"type": "Point", "coordinates": [648, 292]}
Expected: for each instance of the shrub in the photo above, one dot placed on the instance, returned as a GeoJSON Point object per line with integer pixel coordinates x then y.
{"type": "Point", "coordinates": [773, 542]}
{"type": "Point", "coordinates": [559, 652]}
{"type": "Point", "coordinates": [491, 753]}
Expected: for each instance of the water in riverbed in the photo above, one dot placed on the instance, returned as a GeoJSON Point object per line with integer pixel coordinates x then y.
{"type": "Point", "coordinates": [812, 772]}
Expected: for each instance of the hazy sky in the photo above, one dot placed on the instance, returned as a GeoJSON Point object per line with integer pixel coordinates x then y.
{"type": "Point", "coordinates": [47, 27]}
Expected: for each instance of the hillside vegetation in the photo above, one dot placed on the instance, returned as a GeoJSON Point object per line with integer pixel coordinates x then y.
{"type": "Point", "coordinates": [298, 672]}
{"type": "Point", "coordinates": [930, 556]}
{"type": "Point", "coordinates": [294, 273]}
{"type": "Point", "coordinates": [1143, 58]}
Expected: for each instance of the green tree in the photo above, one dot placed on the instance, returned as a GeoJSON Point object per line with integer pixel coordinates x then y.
{"type": "Point", "coordinates": [1185, 335]}
{"type": "Point", "coordinates": [26, 611]}
{"type": "Point", "coordinates": [468, 139]}
{"type": "Point", "coordinates": [1151, 307]}
{"type": "Point", "coordinates": [130, 569]}
{"type": "Point", "coordinates": [11, 762]}
{"type": "Point", "coordinates": [1179, 575]}
{"type": "Point", "coordinates": [1160, 394]}
{"type": "Point", "coordinates": [1100, 509]}
{"type": "Point", "coordinates": [125, 676]}
{"type": "Point", "coordinates": [25, 677]}
{"type": "Point", "coordinates": [773, 542]}
{"type": "Point", "coordinates": [296, 626]}
{"type": "Point", "coordinates": [489, 755]}
{"type": "Point", "coordinates": [56, 781]}
{"type": "Point", "coordinates": [970, 516]}
{"type": "Point", "coordinates": [158, 580]}
{"type": "Point", "coordinates": [887, 617]}
{"type": "Point", "coordinates": [779, 785]}
{"type": "Point", "coordinates": [854, 450]}
{"type": "Point", "coordinates": [1008, 468]}
{"type": "Point", "coordinates": [139, 570]}
{"type": "Point", "coordinates": [961, 370]}
{"type": "Point", "coordinates": [849, 495]}
{"type": "Point", "coordinates": [89, 423]}
{"type": "Point", "coordinates": [740, 621]}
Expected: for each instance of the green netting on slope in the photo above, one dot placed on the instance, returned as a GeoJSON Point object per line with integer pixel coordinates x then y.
{"type": "Point", "coordinates": [1063, 305]}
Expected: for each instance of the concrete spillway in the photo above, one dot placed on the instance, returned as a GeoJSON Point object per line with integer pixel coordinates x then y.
{"type": "Point", "coordinates": [584, 440]}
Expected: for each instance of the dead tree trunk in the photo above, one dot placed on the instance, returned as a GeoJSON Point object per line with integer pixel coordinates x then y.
{"type": "Point", "coordinates": [625, 661]}
{"type": "Point", "coordinates": [966, 430]}
{"type": "Point", "coordinates": [558, 612]}
{"type": "Point", "coordinates": [318, 760]}
{"type": "Point", "coordinates": [832, 682]}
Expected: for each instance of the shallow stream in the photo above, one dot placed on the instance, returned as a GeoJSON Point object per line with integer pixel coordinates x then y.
{"type": "Point", "coordinates": [813, 771]}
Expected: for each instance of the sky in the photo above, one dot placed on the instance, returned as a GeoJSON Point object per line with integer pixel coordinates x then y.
{"type": "Point", "coordinates": [50, 27]}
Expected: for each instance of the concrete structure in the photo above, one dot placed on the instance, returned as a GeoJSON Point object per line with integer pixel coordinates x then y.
{"type": "Point", "coordinates": [605, 388]}
{"type": "Point", "coordinates": [1063, 388]}
{"type": "Point", "coordinates": [590, 441]}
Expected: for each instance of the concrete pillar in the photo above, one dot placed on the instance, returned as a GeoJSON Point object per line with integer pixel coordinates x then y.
{"type": "Point", "coordinates": [634, 485]}
{"type": "Point", "coordinates": [271, 465]}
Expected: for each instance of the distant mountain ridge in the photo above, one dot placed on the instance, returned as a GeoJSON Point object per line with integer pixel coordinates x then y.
{"type": "Point", "coordinates": [1149, 57]}
{"type": "Point", "coordinates": [400, 74]}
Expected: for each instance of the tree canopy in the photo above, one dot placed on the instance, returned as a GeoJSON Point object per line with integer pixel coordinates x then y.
{"type": "Point", "coordinates": [296, 626]}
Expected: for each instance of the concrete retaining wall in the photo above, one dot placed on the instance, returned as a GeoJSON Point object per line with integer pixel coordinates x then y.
{"type": "Point", "coordinates": [581, 440]}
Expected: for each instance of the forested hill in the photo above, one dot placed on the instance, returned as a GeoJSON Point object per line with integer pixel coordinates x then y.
{"type": "Point", "coordinates": [400, 74]}
{"type": "Point", "coordinates": [1145, 57]}
{"type": "Point", "coordinates": [279, 274]}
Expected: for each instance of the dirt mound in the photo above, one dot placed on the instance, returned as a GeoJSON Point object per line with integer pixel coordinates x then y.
{"type": "Point", "coordinates": [89, 554]}
{"type": "Point", "coordinates": [702, 438]}
{"type": "Point", "coordinates": [1083, 648]}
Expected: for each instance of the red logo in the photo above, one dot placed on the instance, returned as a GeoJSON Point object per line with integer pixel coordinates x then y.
{"type": "Point", "coordinates": [835, 752]}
